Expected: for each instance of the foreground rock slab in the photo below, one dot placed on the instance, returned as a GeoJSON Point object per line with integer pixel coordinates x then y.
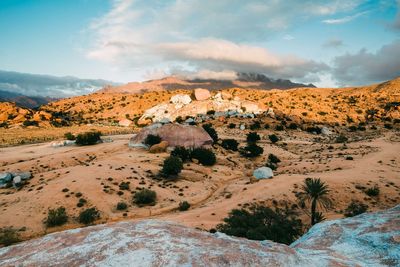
{"type": "Point", "coordinates": [367, 240]}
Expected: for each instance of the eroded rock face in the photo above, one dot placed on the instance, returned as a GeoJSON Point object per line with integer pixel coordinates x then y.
{"type": "Point", "coordinates": [201, 94]}
{"type": "Point", "coordinates": [366, 240]}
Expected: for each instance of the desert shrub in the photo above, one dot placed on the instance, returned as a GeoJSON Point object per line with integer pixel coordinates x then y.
{"type": "Point", "coordinates": [152, 139]}
{"type": "Point", "coordinates": [314, 129]}
{"type": "Point", "coordinates": [145, 197]}
{"type": "Point", "coordinates": [88, 138]}
{"type": "Point", "coordinates": [273, 159]}
{"type": "Point", "coordinates": [255, 125]}
{"type": "Point", "coordinates": [388, 126]}
{"type": "Point", "coordinates": [266, 126]}
{"type": "Point", "coordinates": [372, 191]}
{"type": "Point", "coordinates": [231, 126]}
{"type": "Point", "coordinates": [273, 138]}
{"type": "Point", "coordinates": [172, 166]}
{"type": "Point", "coordinates": [251, 151]}
{"type": "Point", "coordinates": [272, 166]}
{"type": "Point", "coordinates": [204, 156]}
{"type": "Point", "coordinates": [352, 128]}
{"type": "Point", "coordinates": [252, 137]}
{"type": "Point", "coordinates": [183, 206]}
{"type": "Point", "coordinates": [279, 127]}
{"type": "Point", "coordinates": [30, 123]}
{"type": "Point", "coordinates": [56, 217]}
{"type": "Point", "coordinates": [9, 236]}
{"type": "Point", "coordinates": [292, 126]}
{"type": "Point", "coordinates": [355, 208]}
{"type": "Point", "coordinates": [341, 139]}
{"type": "Point", "coordinates": [181, 152]}
{"type": "Point", "coordinates": [122, 206]}
{"type": "Point", "coordinates": [3, 124]}
{"type": "Point", "coordinates": [261, 223]}
{"type": "Point", "coordinates": [69, 136]}
{"type": "Point", "coordinates": [124, 186]}
{"type": "Point", "coordinates": [179, 119]}
{"type": "Point", "coordinates": [230, 144]}
{"type": "Point", "coordinates": [89, 215]}
{"type": "Point", "coordinates": [210, 112]}
{"type": "Point", "coordinates": [211, 131]}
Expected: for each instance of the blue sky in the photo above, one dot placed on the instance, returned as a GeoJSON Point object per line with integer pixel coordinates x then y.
{"type": "Point", "coordinates": [330, 43]}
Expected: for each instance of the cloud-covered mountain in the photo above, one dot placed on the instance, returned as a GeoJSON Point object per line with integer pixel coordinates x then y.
{"type": "Point", "coordinates": [46, 85]}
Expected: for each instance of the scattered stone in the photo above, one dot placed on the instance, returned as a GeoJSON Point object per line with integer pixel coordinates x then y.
{"type": "Point", "coordinates": [125, 123]}
{"type": "Point", "coordinates": [325, 131]}
{"type": "Point", "coordinates": [180, 99]}
{"type": "Point", "coordinates": [159, 148]}
{"type": "Point", "coordinates": [242, 127]}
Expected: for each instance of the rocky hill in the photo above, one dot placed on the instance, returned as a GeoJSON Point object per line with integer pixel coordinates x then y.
{"type": "Point", "coordinates": [371, 239]}
{"type": "Point", "coordinates": [23, 100]}
{"type": "Point", "coordinates": [244, 80]}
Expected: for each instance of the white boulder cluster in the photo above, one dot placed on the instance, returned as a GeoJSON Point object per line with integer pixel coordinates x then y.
{"type": "Point", "coordinates": [204, 106]}
{"type": "Point", "coordinates": [15, 179]}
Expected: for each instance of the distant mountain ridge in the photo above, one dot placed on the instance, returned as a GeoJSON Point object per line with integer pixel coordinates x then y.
{"type": "Point", "coordinates": [33, 90]}
{"type": "Point", "coordinates": [244, 80]}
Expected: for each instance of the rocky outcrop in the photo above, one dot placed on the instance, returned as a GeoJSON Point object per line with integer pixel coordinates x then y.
{"type": "Point", "coordinates": [159, 148]}
{"type": "Point", "coordinates": [16, 179]}
{"type": "Point", "coordinates": [174, 134]}
{"type": "Point", "coordinates": [223, 104]}
{"type": "Point", "coordinates": [371, 239]}
{"type": "Point", "coordinates": [125, 123]}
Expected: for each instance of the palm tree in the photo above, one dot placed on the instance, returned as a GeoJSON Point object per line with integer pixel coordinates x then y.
{"type": "Point", "coordinates": [315, 192]}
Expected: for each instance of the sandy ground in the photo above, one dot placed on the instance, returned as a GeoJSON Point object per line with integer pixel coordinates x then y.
{"type": "Point", "coordinates": [96, 172]}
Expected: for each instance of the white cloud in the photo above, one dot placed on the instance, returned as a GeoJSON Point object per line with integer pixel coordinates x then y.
{"type": "Point", "coordinates": [333, 43]}
{"type": "Point", "coordinates": [344, 19]}
{"type": "Point", "coordinates": [206, 34]}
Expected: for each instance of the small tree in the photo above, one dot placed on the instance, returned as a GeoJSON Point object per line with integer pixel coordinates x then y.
{"type": "Point", "coordinates": [152, 140]}
{"type": "Point", "coordinates": [252, 137]}
{"type": "Point", "coordinates": [251, 151]}
{"type": "Point", "coordinates": [260, 223]}
{"type": "Point", "coordinates": [204, 156]}
{"type": "Point", "coordinates": [122, 206]}
{"type": "Point", "coordinates": [88, 216]}
{"type": "Point", "coordinates": [230, 144]}
{"type": "Point", "coordinates": [9, 236]}
{"type": "Point", "coordinates": [372, 191]}
{"type": "Point", "coordinates": [211, 131]}
{"type": "Point", "coordinates": [145, 197]}
{"type": "Point", "coordinates": [273, 159]}
{"type": "Point", "coordinates": [172, 166]}
{"type": "Point", "coordinates": [56, 217]}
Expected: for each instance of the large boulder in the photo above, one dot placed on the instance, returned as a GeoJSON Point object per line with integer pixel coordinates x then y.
{"type": "Point", "coordinates": [180, 99]}
{"type": "Point", "coordinates": [263, 173]}
{"type": "Point", "coordinates": [175, 135]}
{"type": "Point", "coordinates": [201, 94]}
{"type": "Point", "coordinates": [6, 177]}
{"type": "Point", "coordinates": [23, 175]}
{"type": "Point", "coordinates": [370, 239]}
{"type": "Point", "coordinates": [250, 107]}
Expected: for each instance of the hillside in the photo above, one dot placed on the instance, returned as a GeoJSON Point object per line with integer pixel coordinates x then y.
{"type": "Point", "coordinates": [23, 100]}
{"type": "Point", "coordinates": [338, 105]}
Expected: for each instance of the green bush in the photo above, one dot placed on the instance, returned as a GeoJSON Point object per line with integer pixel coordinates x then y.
{"type": "Point", "coordinates": [372, 191]}
{"type": "Point", "coordinates": [56, 217]}
{"type": "Point", "coordinates": [255, 125]}
{"type": "Point", "coordinates": [273, 138]}
{"type": "Point", "coordinates": [9, 236]}
{"type": "Point", "coordinates": [292, 126]}
{"type": "Point", "coordinates": [231, 126]}
{"type": "Point", "coordinates": [211, 131]}
{"type": "Point", "coordinates": [263, 223]}
{"type": "Point", "coordinates": [355, 208]}
{"type": "Point", "coordinates": [69, 136]}
{"type": "Point", "coordinates": [172, 166]}
{"type": "Point", "coordinates": [88, 138]}
{"type": "Point", "coordinates": [181, 152]}
{"type": "Point", "coordinates": [30, 123]}
{"type": "Point", "coordinates": [230, 144]}
{"type": "Point", "coordinates": [279, 127]}
{"type": "Point", "coordinates": [122, 206]}
{"type": "Point", "coordinates": [184, 205]}
{"type": "Point", "coordinates": [252, 137]}
{"type": "Point", "coordinates": [341, 139]}
{"type": "Point", "coordinates": [152, 140]}
{"type": "Point", "coordinates": [204, 156]}
{"type": "Point", "coordinates": [145, 197]}
{"type": "Point", "coordinates": [251, 151]}
{"type": "Point", "coordinates": [88, 216]}
{"type": "Point", "coordinates": [273, 159]}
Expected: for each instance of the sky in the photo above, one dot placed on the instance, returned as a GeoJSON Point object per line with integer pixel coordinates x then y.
{"type": "Point", "coordinates": [329, 43]}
